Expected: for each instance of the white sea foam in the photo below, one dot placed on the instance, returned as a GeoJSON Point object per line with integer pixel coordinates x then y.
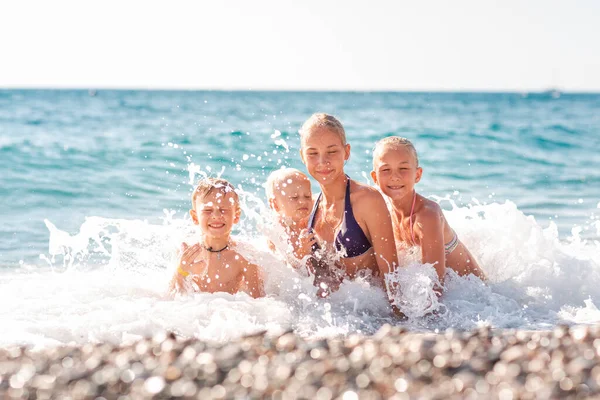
{"type": "Point", "coordinates": [108, 282]}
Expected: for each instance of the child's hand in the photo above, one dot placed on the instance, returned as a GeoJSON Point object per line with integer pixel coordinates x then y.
{"type": "Point", "coordinates": [325, 280]}
{"type": "Point", "coordinates": [306, 241]}
{"type": "Point", "coordinates": [190, 259]}
{"type": "Point", "coordinates": [326, 284]}
{"type": "Point", "coordinates": [398, 313]}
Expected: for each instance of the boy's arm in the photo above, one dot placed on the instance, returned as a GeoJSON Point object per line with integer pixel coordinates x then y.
{"type": "Point", "coordinates": [174, 285]}
{"type": "Point", "coordinates": [429, 227]}
{"type": "Point", "coordinates": [184, 266]}
{"type": "Point", "coordinates": [379, 224]}
{"type": "Point", "coordinates": [252, 281]}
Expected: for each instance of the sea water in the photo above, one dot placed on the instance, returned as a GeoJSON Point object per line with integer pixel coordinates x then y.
{"type": "Point", "coordinates": [95, 190]}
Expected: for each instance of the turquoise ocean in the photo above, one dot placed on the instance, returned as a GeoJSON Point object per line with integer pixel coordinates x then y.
{"type": "Point", "coordinates": [95, 189]}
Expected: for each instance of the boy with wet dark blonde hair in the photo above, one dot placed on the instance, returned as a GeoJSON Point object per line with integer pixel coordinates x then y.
{"type": "Point", "coordinates": [213, 264]}
{"type": "Point", "coordinates": [418, 221]}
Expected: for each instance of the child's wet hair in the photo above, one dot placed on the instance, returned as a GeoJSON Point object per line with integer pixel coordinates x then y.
{"type": "Point", "coordinates": [322, 120]}
{"type": "Point", "coordinates": [395, 142]}
{"type": "Point", "coordinates": [278, 176]}
{"type": "Point", "coordinates": [207, 185]}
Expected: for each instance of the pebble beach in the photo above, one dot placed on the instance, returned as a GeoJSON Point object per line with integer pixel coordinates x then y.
{"type": "Point", "coordinates": [391, 364]}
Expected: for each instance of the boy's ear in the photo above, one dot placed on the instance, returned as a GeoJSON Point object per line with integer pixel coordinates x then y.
{"type": "Point", "coordinates": [273, 204]}
{"type": "Point", "coordinates": [419, 174]}
{"type": "Point", "coordinates": [374, 177]}
{"type": "Point", "coordinates": [302, 157]}
{"type": "Point", "coordinates": [194, 216]}
{"type": "Point", "coordinates": [238, 213]}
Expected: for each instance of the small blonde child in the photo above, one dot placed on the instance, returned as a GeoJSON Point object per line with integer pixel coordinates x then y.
{"type": "Point", "coordinates": [213, 264]}
{"type": "Point", "coordinates": [290, 196]}
{"type": "Point", "coordinates": [416, 220]}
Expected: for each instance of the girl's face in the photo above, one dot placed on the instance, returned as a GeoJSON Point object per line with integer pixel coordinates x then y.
{"type": "Point", "coordinates": [395, 171]}
{"type": "Point", "coordinates": [324, 154]}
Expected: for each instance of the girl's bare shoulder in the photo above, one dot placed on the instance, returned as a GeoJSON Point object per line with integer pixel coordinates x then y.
{"type": "Point", "coordinates": [363, 192]}
{"type": "Point", "coordinates": [428, 209]}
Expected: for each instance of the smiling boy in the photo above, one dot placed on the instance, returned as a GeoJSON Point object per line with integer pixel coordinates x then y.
{"type": "Point", "coordinates": [213, 264]}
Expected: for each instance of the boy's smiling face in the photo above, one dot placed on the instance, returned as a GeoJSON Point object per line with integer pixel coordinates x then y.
{"type": "Point", "coordinates": [292, 197]}
{"type": "Point", "coordinates": [216, 213]}
{"type": "Point", "coordinates": [395, 171]}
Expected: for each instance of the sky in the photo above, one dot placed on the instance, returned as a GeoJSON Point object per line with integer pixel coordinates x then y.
{"type": "Point", "coordinates": [470, 45]}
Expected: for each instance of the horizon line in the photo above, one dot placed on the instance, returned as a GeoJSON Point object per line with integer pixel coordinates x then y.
{"type": "Point", "coordinates": [309, 90]}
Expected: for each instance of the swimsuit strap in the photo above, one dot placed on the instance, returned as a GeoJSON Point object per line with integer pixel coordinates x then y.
{"type": "Point", "coordinates": [313, 213]}
{"type": "Point", "coordinates": [412, 209]}
{"type": "Point", "coordinates": [347, 204]}
{"type": "Point", "coordinates": [350, 235]}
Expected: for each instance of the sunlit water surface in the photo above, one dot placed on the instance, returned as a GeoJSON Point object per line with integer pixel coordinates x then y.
{"type": "Point", "coordinates": [96, 190]}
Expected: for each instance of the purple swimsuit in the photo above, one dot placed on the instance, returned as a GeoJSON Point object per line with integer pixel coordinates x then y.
{"type": "Point", "coordinates": [350, 237]}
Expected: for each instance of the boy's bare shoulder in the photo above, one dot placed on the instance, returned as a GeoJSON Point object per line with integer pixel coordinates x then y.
{"type": "Point", "coordinates": [429, 210]}
{"type": "Point", "coordinates": [237, 256]}
{"type": "Point", "coordinates": [238, 249]}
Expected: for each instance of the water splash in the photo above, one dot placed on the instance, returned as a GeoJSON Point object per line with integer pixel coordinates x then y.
{"type": "Point", "coordinates": [412, 289]}
{"type": "Point", "coordinates": [108, 282]}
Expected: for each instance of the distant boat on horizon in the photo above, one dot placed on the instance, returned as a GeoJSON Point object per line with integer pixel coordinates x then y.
{"type": "Point", "coordinates": [554, 93]}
